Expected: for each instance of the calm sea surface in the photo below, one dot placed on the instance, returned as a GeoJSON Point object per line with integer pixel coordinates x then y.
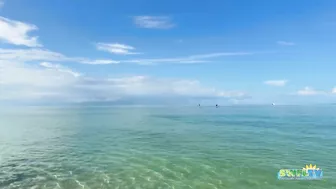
{"type": "Point", "coordinates": [186, 147]}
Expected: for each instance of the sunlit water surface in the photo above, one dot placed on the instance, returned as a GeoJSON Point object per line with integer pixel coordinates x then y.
{"type": "Point", "coordinates": [187, 147]}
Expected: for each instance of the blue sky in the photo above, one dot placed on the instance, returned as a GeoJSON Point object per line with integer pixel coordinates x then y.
{"type": "Point", "coordinates": [237, 52]}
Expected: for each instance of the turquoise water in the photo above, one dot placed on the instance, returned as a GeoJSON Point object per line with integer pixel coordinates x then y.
{"type": "Point", "coordinates": [186, 147]}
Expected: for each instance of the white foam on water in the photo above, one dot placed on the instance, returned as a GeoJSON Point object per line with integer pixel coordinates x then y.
{"type": "Point", "coordinates": [210, 184]}
{"type": "Point", "coordinates": [214, 172]}
{"type": "Point", "coordinates": [186, 169]}
{"type": "Point", "coordinates": [106, 178]}
{"type": "Point", "coordinates": [57, 185]}
{"type": "Point", "coordinates": [40, 178]}
{"type": "Point", "coordinates": [166, 184]}
{"type": "Point", "coordinates": [82, 185]}
{"type": "Point", "coordinates": [170, 171]}
{"type": "Point", "coordinates": [156, 173]}
{"type": "Point", "coordinates": [133, 180]}
{"type": "Point", "coordinates": [206, 166]}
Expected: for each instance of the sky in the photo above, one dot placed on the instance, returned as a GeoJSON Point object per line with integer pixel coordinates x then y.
{"type": "Point", "coordinates": [177, 51]}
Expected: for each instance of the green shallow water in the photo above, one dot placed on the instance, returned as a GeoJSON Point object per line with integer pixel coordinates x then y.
{"type": "Point", "coordinates": [188, 147]}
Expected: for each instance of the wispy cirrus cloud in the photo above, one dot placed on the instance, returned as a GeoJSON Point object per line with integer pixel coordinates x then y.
{"type": "Point", "coordinates": [34, 54]}
{"type": "Point", "coordinates": [277, 83]}
{"type": "Point", "coordinates": [219, 54]}
{"type": "Point", "coordinates": [20, 36]}
{"type": "Point", "coordinates": [17, 33]}
{"type": "Point", "coordinates": [37, 54]}
{"type": "Point", "coordinates": [59, 68]}
{"type": "Point", "coordinates": [22, 79]}
{"type": "Point", "coordinates": [99, 62]}
{"type": "Point", "coordinates": [285, 43]}
{"type": "Point", "coordinates": [153, 22]}
{"type": "Point", "coordinates": [116, 48]}
{"type": "Point", "coordinates": [192, 59]}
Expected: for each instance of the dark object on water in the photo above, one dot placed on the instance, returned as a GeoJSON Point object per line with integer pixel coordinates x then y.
{"type": "Point", "coordinates": [216, 105]}
{"type": "Point", "coordinates": [199, 104]}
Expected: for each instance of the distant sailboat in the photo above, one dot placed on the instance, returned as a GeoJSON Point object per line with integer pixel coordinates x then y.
{"type": "Point", "coordinates": [273, 104]}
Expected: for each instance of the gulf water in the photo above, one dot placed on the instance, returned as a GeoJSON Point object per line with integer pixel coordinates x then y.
{"type": "Point", "coordinates": [234, 147]}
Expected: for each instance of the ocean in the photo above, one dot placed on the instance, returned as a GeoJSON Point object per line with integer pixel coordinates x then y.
{"type": "Point", "coordinates": [234, 147]}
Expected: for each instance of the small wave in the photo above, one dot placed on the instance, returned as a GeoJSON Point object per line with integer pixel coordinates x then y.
{"type": "Point", "coordinates": [82, 185]}
{"type": "Point", "coordinates": [57, 185]}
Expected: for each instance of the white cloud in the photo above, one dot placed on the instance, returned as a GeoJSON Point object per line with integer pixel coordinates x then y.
{"type": "Point", "coordinates": [278, 83]}
{"type": "Point", "coordinates": [153, 22]}
{"type": "Point", "coordinates": [214, 55]}
{"type": "Point", "coordinates": [22, 82]}
{"type": "Point", "coordinates": [59, 68]}
{"type": "Point", "coordinates": [192, 61]}
{"type": "Point", "coordinates": [285, 43]}
{"type": "Point", "coordinates": [308, 91]}
{"type": "Point", "coordinates": [116, 48]}
{"type": "Point", "coordinates": [333, 91]}
{"type": "Point", "coordinates": [16, 33]}
{"type": "Point", "coordinates": [188, 59]}
{"type": "Point", "coordinates": [36, 54]}
{"type": "Point", "coordinates": [16, 74]}
{"type": "Point", "coordinates": [95, 62]}
{"type": "Point", "coordinates": [233, 94]}
{"type": "Point", "coordinates": [56, 82]}
{"type": "Point", "coordinates": [23, 55]}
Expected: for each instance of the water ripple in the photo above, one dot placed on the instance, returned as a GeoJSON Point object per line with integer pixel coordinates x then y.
{"type": "Point", "coordinates": [184, 148]}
